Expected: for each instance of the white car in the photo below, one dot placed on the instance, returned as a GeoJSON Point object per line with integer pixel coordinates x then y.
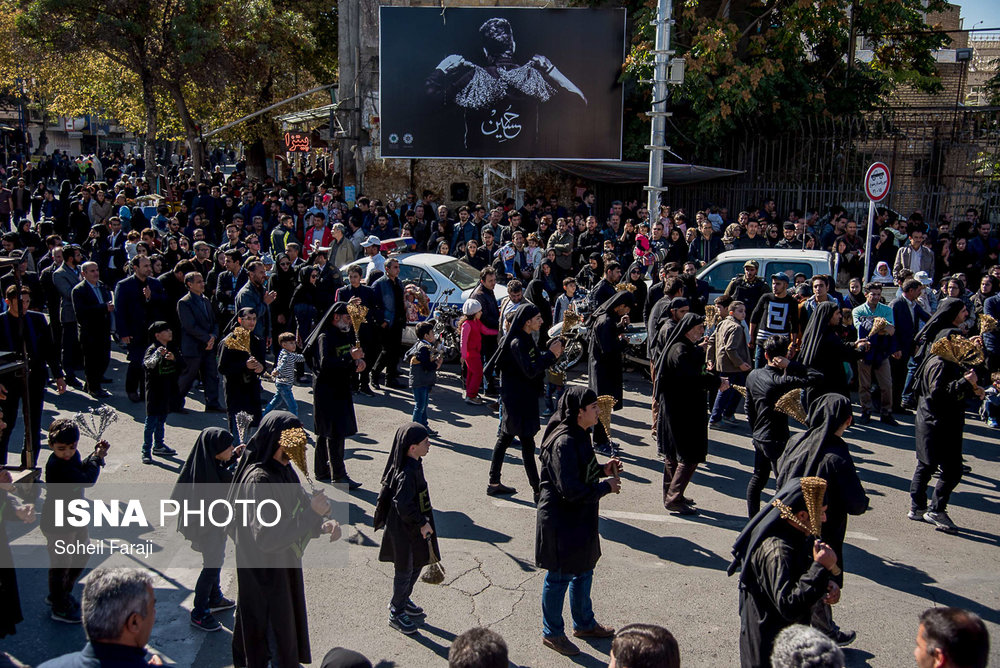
{"type": "Point", "coordinates": [435, 274]}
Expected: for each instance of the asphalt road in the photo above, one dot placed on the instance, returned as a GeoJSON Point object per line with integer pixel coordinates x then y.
{"type": "Point", "coordinates": [655, 567]}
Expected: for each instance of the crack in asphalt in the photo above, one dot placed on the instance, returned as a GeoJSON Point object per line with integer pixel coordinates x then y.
{"type": "Point", "coordinates": [518, 589]}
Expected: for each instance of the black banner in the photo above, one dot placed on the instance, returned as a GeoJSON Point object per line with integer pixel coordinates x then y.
{"type": "Point", "coordinates": [531, 84]}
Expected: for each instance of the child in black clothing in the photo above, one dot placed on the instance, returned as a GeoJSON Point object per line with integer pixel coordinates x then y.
{"type": "Point", "coordinates": [404, 509]}
{"type": "Point", "coordinates": [66, 475]}
{"type": "Point", "coordinates": [163, 369]}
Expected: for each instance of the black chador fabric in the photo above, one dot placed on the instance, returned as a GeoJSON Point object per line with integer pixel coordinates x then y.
{"type": "Point", "coordinates": [407, 499]}
{"type": "Point", "coordinates": [522, 365]}
{"type": "Point", "coordinates": [535, 294]}
{"type": "Point", "coordinates": [639, 294]}
{"type": "Point", "coordinates": [202, 468]}
{"type": "Point", "coordinates": [332, 384]}
{"type": "Point", "coordinates": [661, 323]}
{"type": "Point", "coordinates": [942, 319]}
{"type": "Point", "coordinates": [566, 534]}
{"type": "Point", "coordinates": [604, 365]}
{"type": "Point", "coordinates": [779, 581]}
{"type": "Point", "coordinates": [242, 385]}
{"type": "Point", "coordinates": [682, 386]}
{"type": "Point", "coordinates": [824, 351]}
{"type": "Point", "coordinates": [942, 392]}
{"type": "Point", "coordinates": [10, 599]}
{"type": "Point", "coordinates": [271, 600]}
{"type": "Point", "coordinates": [818, 451]}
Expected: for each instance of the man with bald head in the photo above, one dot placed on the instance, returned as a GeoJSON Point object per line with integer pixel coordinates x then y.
{"type": "Point", "coordinates": [93, 306]}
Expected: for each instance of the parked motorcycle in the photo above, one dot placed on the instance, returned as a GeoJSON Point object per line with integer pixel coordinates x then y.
{"type": "Point", "coordinates": [446, 317]}
{"type": "Point", "coordinates": [636, 352]}
{"type": "Point", "coordinates": [574, 334]}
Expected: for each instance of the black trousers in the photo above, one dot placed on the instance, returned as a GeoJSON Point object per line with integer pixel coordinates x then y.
{"type": "Point", "coordinates": [329, 452]}
{"type": "Point", "coordinates": [70, 350]}
{"type": "Point", "coordinates": [402, 585]}
{"type": "Point", "coordinates": [96, 356]}
{"type": "Point", "coordinates": [951, 475]}
{"type": "Point", "coordinates": [762, 467]}
{"type": "Point", "coordinates": [527, 454]}
{"type": "Point", "coordinates": [898, 370]}
{"type": "Point", "coordinates": [12, 405]}
{"type": "Point", "coordinates": [391, 339]}
{"type": "Point", "coordinates": [135, 374]}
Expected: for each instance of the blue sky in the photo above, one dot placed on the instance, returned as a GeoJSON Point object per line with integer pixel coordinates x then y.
{"type": "Point", "coordinates": [974, 11]}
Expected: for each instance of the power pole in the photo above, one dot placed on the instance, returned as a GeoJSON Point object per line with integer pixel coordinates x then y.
{"type": "Point", "coordinates": [658, 131]}
{"type": "Point", "coordinates": [348, 92]}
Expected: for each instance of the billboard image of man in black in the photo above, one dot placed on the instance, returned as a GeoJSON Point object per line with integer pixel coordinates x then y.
{"type": "Point", "coordinates": [502, 96]}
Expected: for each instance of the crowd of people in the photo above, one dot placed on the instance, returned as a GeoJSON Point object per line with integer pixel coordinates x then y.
{"type": "Point", "coordinates": [242, 279]}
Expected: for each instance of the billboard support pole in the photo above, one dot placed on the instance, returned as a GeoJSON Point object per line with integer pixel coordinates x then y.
{"type": "Point", "coordinates": [658, 130]}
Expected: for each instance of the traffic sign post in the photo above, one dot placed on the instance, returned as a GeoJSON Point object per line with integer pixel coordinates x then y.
{"type": "Point", "coordinates": [877, 183]}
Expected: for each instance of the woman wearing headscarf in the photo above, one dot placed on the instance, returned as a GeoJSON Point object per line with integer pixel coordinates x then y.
{"type": "Point", "coordinates": [682, 385]}
{"type": "Point", "coordinates": [567, 540]}
{"type": "Point", "coordinates": [521, 365]}
{"type": "Point", "coordinates": [208, 466]}
{"type": "Point", "coordinates": [271, 601]}
{"type": "Point", "coordinates": [535, 294]}
{"type": "Point", "coordinates": [404, 509]}
{"type": "Point", "coordinates": [946, 318]}
{"type": "Point", "coordinates": [784, 573]}
{"type": "Point", "coordinates": [283, 281]}
{"type": "Point", "coordinates": [825, 351]}
{"type": "Point", "coordinates": [636, 276]}
{"type": "Point", "coordinates": [677, 247]}
{"type": "Point", "coordinates": [821, 451]}
{"type": "Point", "coordinates": [473, 257]}
{"type": "Point", "coordinates": [591, 273]}
{"type": "Point", "coordinates": [304, 300]}
{"type": "Point", "coordinates": [547, 272]}
{"type": "Point", "coordinates": [604, 362]}
{"type": "Point", "coordinates": [942, 387]}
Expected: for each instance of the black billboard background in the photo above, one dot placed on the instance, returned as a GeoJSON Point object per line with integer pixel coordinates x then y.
{"type": "Point", "coordinates": [586, 45]}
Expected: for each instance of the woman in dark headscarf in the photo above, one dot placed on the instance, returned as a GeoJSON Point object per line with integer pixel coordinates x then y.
{"type": "Point", "coordinates": [677, 247]}
{"type": "Point", "coordinates": [636, 276]}
{"type": "Point", "coordinates": [535, 294]}
{"type": "Point", "coordinates": [408, 520]}
{"type": "Point", "coordinates": [283, 281]}
{"type": "Point", "coordinates": [591, 273]}
{"type": "Point", "coordinates": [548, 273]}
{"type": "Point", "coordinates": [784, 574]}
{"type": "Point", "coordinates": [206, 469]}
{"type": "Point", "coordinates": [473, 257]}
{"type": "Point", "coordinates": [567, 540]}
{"type": "Point", "coordinates": [521, 364]}
{"type": "Point", "coordinates": [304, 300]}
{"type": "Point", "coordinates": [943, 319]}
{"type": "Point", "coordinates": [271, 608]}
{"type": "Point", "coordinates": [604, 363]}
{"type": "Point", "coordinates": [825, 351]}
{"type": "Point", "coordinates": [821, 451]}
{"type": "Point", "coordinates": [682, 386]}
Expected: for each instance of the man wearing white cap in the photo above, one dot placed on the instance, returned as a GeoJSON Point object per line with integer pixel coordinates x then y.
{"type": "Point", "coordinates": [371, 247]}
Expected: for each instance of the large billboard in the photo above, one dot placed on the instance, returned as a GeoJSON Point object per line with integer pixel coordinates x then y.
{"type": "Point", "coordinates": [530, 84]}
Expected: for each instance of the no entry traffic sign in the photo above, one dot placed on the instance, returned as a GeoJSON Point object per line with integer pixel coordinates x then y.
{"type": "Point", "coordinates": [877, 182]}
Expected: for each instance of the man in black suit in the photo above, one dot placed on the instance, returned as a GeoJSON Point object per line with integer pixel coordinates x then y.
{"type": "Point", "coordinates": [93, 306]}
{"type": "Point", "coordinates": [31, 333]}
{"type": "Point", "coordinates": [115, 257]}
{"type": "Point", "coordinates": [908, 317]}
{"type": "Point", "coordinates": [29, 279]}
{"type": "Point", "coordinates": [139, 302]}
{"type": "Point", "coordinates": [198, 339]}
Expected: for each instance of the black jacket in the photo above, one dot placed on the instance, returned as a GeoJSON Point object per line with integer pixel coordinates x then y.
{"type": "Point", "coordinates": [764, 387]}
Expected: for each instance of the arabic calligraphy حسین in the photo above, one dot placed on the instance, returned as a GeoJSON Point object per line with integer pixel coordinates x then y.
{"type": "Point", "coordinates": [504, 128]}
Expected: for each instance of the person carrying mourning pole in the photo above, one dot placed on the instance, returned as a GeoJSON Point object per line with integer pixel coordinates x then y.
{"type": "Point", "coordinates": [825, 351]}
{"type": "Point", "coordinates": [362, 295]}
{"type": "Point", "coordinates": [942, 387]}
{"type": "Point", "coordinates": [784, 573]}
{"type": "Point", "coordinates": [567, 540]}
{"type": "Point", "coordinates": [209, 465]}
{"type": "Point", "coordinates": [404, 509]}
{"type": "Point", "coordinates": [241, 369]}
{"type": "Point", "coordinates": [821, 451]}
{"type": "Point", "coordinates": [682, 385]}
{"type": "Point", "coordinates": [521, 364]}
{"type": "Point", "coordinates": [770, 426]}
{"type": "Point", "coordinates": [604, 364]}
{"type": "Point", "coordinates": [271, 628]}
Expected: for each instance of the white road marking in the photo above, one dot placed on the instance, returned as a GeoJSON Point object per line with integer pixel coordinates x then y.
{"type": "Point", "coordinates": [857, 535]}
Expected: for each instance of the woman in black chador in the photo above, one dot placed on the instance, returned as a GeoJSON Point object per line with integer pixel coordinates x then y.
{"type": "Point", "coordinates": [404, 509]}
{"type": "Point", "coordinates": [208, 467]}
{"type": "Point", "coordinates": [682, 386]}
{"type": "Point", "coordinates": [271, 605]}
{"type": "Point", "coordinates": [604, 364]}
{"type": "Point", "coordinates": [824, 350]}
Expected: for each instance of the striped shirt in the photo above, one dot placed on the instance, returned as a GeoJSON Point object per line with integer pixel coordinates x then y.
{"type": "Point", "coordinates": [284, 369]}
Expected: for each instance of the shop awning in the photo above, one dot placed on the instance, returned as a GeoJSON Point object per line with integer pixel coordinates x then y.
{"type": "Point", "coordinates": [620, 171]}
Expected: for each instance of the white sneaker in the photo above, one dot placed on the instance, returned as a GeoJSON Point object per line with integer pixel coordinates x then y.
{"type": "Point", "coordinates": [941, 521]}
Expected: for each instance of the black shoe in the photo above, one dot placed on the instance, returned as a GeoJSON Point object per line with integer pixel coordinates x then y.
{"type": "Point", "coordinates": [68, 614]}
{"type": "Point", "coordinates": [889, 420]}
{"type": "Point", "coordinates": [206, 623]}
{"type": "Point", "coordinates": [680, 508]}
{"type": "Point", "coordinates": [180, 411]}
{"type": "Point", "coordinates": [221, 603]}
{"type": "Point", "coordinates": [163, 451]}
{"type": "Point", "coordinates": [402, 623]}
{"type": "Point", "coordinates": [73, 381]}
{"type": "Point", "coordinates": [134, 397]}
{"type": "Point", "coordinates": [325, 479]}
{"type": "Point", "coordinates": [365, 390]}
{"type": "Point", "coordinates": [147, 458]}
{"type": "Point", "coordinates": [499, 489]}
{"type": "Point", "coordinates": [865, 418]}
{"type": "Point", "coordinates": [346, 480]}
{"type": "Point", "coordinates": [841, 637]}
{"type": "Point", "coordinates": [431, 432]}
{"type": "Point", "coordinates": [214, 409]}
{"type": "Point", "coordinates": [413, 610]}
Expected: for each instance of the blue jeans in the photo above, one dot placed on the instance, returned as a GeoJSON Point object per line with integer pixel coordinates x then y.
{"type": "Point", "coordinates": [726, 402]}
{"type": "Point", "coordinates": [421, 396]}
{"type": "Point", "coordinates": [207, 590]}
{"type": "Point", "coordinates": [282, 393]}
{"type": "Point", "coordinates": [553, 595]}
{"type": "Point", "coordinates": [911, 370]}
{"type": "Point", "coordinates": [152, 432]}
{"type": "Point", "coordinates": [758, 358]}
{"type": "Point", "coordinates": [552, 395]}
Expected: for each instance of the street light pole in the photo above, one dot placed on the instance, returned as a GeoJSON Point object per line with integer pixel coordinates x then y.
{"type": "Point", "coordinates": [658, 130]}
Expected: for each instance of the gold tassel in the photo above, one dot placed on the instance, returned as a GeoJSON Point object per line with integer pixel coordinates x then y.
{"type": "Point", "coordinates": [987, 324]}
{"type": "Point", "coordinates": [238, 340]}
{"type": "Point", "coordinates": [790, 404]}
{"type": "Point", "coordinates": [711, 316]}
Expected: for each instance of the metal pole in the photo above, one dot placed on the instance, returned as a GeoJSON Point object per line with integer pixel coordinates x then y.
{"type": "Point", "coordinates": [658, 114]}
{"type": "Point", "coordinates": [868, 241]}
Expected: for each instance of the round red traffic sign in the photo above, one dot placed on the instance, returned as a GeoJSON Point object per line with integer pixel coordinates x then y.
{"type": "Point", "coordinates": [877, 182]}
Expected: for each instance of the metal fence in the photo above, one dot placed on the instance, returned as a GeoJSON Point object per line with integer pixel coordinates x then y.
{"type": "Point", "coordinates": [939, 161]}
